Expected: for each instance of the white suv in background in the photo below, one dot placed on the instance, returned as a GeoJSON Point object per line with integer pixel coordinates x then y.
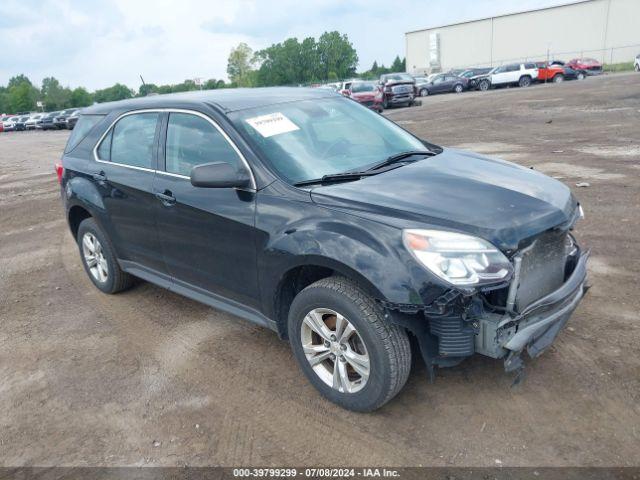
{"type": "Point", "coordinates": [522, 74]}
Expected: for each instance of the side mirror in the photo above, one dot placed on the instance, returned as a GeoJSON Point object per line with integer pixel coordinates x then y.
{"type": "Point", "coordinates": [345, 92]}
{"type": "Point", "coordinates": [219, 175]}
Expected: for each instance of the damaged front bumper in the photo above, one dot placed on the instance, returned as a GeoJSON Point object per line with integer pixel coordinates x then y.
{"type": "Point", "coordinates": [459, 325]}
{"type": "Point", "coordinates": [536, 326]}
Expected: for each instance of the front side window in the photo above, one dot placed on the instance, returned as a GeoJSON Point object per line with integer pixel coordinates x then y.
{"type": "Point", "coordinates": [130, 141]}
{"type": "Point", "coordinates": [191, 141]}
{"type": "Point", "coordinates": [308, 139]}
{"type": "Point", "coordinates": [513, 68]}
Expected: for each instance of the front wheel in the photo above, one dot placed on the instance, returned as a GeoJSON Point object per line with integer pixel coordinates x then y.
{"type": "Point", "coordinates": [637, 67]}
{"type": "Point", "coordinates": [424, 92]}
{"type": "Point", "coordinates": [346, 347]}
{"type": "Point", "coordinates": [559, 78]}
{"type": "Point", "coordinates": [484, 85]}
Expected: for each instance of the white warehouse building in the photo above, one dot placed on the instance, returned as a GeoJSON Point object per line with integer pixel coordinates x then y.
{"type": "Point", "coordinates": [607, 30]}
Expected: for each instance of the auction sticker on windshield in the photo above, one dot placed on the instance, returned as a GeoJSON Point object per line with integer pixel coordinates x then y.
{"type": "Point", "coordinates": [272, 124]}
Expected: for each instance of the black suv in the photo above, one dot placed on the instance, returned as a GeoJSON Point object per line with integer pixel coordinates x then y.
{"type": "Point", "coordinates": [307, 213]}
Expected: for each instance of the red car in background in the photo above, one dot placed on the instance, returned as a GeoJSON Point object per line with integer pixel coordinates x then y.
{"type": "Point", "coordinates": [558, 73]}
{"type": "Point", "coordinates": [589, 65]}
{"type": "Point", "coordinates": [368, 94]}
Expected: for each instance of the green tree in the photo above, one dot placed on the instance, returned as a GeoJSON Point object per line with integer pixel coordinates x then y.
{"type": "Point", "coordinates": [397, 65]}
{"type": "Point", "coordinates": [147, 88]}
{"type": "Point", "coordinates": [17, 80]}
{"type": "Point", "coordinates": [20, 95]}
{"type": "Point", "coordinates": [55, 96]}
{"type": "Point", "coordinates": [336, 55]}
{"type": "Point", "coordinates": [113, 93]}
{"type": "Point", "coordinates": [212, 84]}
{"type": "Point", "coordinates": [4, 100]}
{"type": "Point", "coordinates": [80, 97]}
{"type": "Point", "coordinates": [239, 64]}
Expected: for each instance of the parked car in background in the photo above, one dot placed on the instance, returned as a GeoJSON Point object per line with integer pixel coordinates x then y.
{"type": "Point", "coordinates": [636, 64]}
{"type": "Point", "coordinates": [521, 74]}
{"type": "Point", "coordinates": [60, 121]}
{"type": "Point", "coordinates": [444, 83]}
{"type": "Point", "coordinates": [345, 86]}
{"type": "Point", "coordinates": [9, 123]}
{"type": "Point", "coordinates": [368, 94]}
{"type": "Point", "coordinates": [590, 65]}
{"type": "Point", "coordinates": [47, 121]}
{"type": "Point", "coordinates": [558, 73]}
{"type": "Point", "coordinates": [1, 127]}
{"type": "Point", "coordinates": [397, 89]}
{"type": "Point", "coordinates": [30, 124]}
{"type": "Point", "coordinates": [473, 75]}
{"type": "Point", "coordinates": [21, 123]}
{"type": "Point", "coordinates": [73, 119]}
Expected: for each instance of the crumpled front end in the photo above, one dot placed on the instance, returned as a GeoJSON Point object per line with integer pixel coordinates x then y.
{"type": "Point", "coordinates": [503, 321]}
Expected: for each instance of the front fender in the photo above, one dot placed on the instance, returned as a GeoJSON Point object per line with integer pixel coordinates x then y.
{"type": "Point", "coordinates": [344, 244]}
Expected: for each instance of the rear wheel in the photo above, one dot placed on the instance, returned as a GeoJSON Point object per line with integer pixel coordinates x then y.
{"type": "Point", "coordinates": [580, 76]}
{"type": "Point", "coordinates": [637, 67]}
{"type": "Point", "coordinates": [458, 88]}
{"type": "Point", "coordinates": [346, 347]}
{"type": "Point", "coordinates": [99, 259]}
{"type": "Point", "coordinates": [525, 81]}
{"type": "Point", "coordinates": [559, 78]}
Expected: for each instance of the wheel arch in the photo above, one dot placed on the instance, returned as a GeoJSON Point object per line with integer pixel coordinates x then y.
{"type": "Point", "coordinates": [301, 275]}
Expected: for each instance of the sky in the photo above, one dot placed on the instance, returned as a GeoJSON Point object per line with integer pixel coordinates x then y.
{"type": "Point", "coordinates": [96, 43]}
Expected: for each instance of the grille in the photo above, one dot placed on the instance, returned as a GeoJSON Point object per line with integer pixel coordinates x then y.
{"type": "Point", "coordinates": [402, 89]}
{"type": "Point", "coordinates": [542, 269]}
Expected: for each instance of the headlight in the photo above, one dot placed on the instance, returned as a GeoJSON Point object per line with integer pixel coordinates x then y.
{"type": "Point", "coordinates": [457, 258]}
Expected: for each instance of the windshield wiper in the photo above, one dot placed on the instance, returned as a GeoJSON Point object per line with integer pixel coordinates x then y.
{"type": "Point", "coordinates": [335, 177]}
{"type": "Point", "coordinates": [399, 157]}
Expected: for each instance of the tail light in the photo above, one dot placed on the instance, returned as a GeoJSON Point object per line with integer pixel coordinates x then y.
{"type": "Point", "coordinates": [59, 171]}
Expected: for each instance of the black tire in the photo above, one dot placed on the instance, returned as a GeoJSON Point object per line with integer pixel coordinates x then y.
{"type": "Point", "coordinates": [581, 76]}
{"type": "Point", "coordinates": [387, 345]}
{"type": "Point", "coordinates": [424, 92]}
{"type": "Point", "coordinates": [524, 81]}
{"type": "Point", "coordinates": [116, 280]}
{"type": "Point", "coordinates": [637, 67]}
{"type": "Point", "coordinates": [385, 103]}
{"type": "Point", "coordinates": [458, 88]}
{"type": "Point", "coordinates": [558, 78]}
{"type": "Point", "coordinates": [484, 85]}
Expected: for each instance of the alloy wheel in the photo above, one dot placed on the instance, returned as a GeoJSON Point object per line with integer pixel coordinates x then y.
{"type": "Point", "coordinates": [335, 350]}
{"type": "Point", "coordinates": [94, 257]}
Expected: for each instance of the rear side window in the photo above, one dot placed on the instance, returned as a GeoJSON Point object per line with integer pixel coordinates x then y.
{"type": "Point", "coordinates": [130, 141]}
{"type": "Point", "coordinates": [513, 68]}
{"type": "Point", "coordinates": [529, 65]}
{"type": "Point", "coordinates": [191, 141]}
{"type": "Point", "coordinates": [82, 128]}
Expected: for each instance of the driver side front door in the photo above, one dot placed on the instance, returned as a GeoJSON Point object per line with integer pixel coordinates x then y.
{"type": "Point", "coordinates": [207, 234]}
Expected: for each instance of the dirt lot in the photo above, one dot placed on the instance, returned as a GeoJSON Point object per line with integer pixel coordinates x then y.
{"type": "Point", "coordinates": [148, 377]}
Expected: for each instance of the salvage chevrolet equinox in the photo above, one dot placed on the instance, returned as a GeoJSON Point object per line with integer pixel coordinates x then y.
{"type": "Point", "coordinates": [307, 213]}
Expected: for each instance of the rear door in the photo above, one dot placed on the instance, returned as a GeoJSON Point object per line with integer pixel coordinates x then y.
{"type": "Point", "coordinates": [123, 172]}
{"type": "Point", "coordinates": [207, 234]}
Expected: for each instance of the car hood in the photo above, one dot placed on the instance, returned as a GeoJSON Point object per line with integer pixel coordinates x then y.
{"type": "Point", "coordinates": [363, 95]}
{"type": "Point", "coordinates": [496, 200]}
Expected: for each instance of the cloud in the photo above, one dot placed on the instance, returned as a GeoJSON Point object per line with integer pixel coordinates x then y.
{"type": "Point", "coordinates": [96, 43]}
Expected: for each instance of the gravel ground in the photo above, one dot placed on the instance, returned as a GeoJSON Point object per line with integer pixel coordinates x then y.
{"type": "Point", "coordinates": [150, 378]}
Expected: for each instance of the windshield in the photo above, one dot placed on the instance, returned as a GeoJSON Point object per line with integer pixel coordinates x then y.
{"type": "Point", "coordinates": [398, 77]}
{"type": "Point", "coordinates": [309, 139]}
{"type": "Point", "coordinates": [363, 87]}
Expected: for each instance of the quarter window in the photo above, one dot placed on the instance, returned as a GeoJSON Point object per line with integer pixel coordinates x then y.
{"type": "Point", "coordinates": [191, 141]}
{"type": "Point", "coordinates": [131, 140]}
